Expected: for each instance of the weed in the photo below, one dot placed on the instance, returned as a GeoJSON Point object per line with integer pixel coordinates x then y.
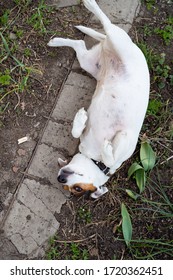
{"type": "Point", "coordinates": [4, 18]}
{"type": "Point", "coordinates": [148, 249]}
{"type": "Point", "coordinates": [84, 215]}
{"type": "Point", "coordinates": [157, 64]}
{"type": "Point", "coordinates": [22, 3]}
{"type": "Point", "coordinates": [5, 78]}
{"type": "Point", "coordinates": [154, 107]}
{"type": "Point", "coordinates": [38, 19]}
{"type": "Point", "coordinates": [148, 159]}
{"type": "Point", "coordinates": [52, 253]}
{"type": "Point", "coordinates": [77, 253]}
{"type": "Point", "coordinates": [166, 32]}
{"type": "Point", "coordinates": [151, 4]}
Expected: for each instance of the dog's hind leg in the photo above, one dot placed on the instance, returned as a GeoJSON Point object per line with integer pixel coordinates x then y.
{"type": "Point", "coordinates": [92, 33]}
{"type": "Point", "coordinates": [79, 123]}
{"type": "Point", "coordinates": [87, 58]}
{"type": "Point", "coordinates": [122, 146]}
{"type": "Point", "coordinates": [93, 7]}
{"type": "Point", "coordinates": [117, 38]}
{"type": "Point", "coordinates": [107, 154]}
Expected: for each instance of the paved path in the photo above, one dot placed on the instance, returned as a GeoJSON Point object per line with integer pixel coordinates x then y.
{"type": "Point", "coordinates": [33, 215]}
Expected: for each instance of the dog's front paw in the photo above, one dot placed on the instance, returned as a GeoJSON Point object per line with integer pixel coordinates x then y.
{"type": "Point", "coordinates": [99, 192]}
{"type": "Point", "coordinates": [79, 123]}
{"type": "Point", "coordinates": [62, 162]}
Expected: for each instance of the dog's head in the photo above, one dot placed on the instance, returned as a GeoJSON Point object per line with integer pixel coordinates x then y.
{"type": "Point", "coordinates": [82, 176]}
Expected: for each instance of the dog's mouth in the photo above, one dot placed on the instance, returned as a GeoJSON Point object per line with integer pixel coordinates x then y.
{"type": "Point", "coordinates": [80, 189]}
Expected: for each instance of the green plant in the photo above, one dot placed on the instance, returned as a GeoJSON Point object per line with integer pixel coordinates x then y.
{"type": "Point", "coordinates": [22, 3]}
{"type": "Point", "coordinates": [147, 160]}
{"type": "Point", "coordinates": [5, 78]}
{"type": "Point", "coordinates": [78, 253]}
{"type": "Point", "coordinates": [154, 107]}
{"type": "Point", "coordinates": [38, 19]}
{"type": "Point", "coordinates": [150, 4]}
{"type": "Point", "coordinates": [4, 18]}
{"type": "Point", "coordinates": [149, 249]}
{"type": "Point", "coordinates": [157, 65]}
{"type": "Point", "coordinates": [84, 215]}
{"type": "Point", "coordinates": [126, 224]}
{"type": "Point", "coordinates": [52, 253]}
{"type": "Point", "coordinates": [166, 32]}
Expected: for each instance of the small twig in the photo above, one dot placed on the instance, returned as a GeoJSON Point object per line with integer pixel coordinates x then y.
{"type": "Point", "coordinates": [76, 241]}
{"type": "Point", "coordinates": [49, 88]}
{"type": "Point", "coordinates": [18, 97]}
{"type": "Point", "coordinates": [165, 161]}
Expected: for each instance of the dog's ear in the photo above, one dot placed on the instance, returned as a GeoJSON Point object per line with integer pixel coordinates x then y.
{"type": "Point", "coordinates": [62, 162]}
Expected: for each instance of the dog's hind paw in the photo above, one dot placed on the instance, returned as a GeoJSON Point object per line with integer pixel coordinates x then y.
{"type": "Point", "coordinates": [56, 42]}
{"type": "Point", "coordinates": [90, 4]}
{"type": "Point", "coordinates": [107, 153]}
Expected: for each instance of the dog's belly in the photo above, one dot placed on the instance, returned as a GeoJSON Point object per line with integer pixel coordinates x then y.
{"type": "Point", "coordinates": [106, 117]}
{"type": "Point", "coordinates": [115, 107]}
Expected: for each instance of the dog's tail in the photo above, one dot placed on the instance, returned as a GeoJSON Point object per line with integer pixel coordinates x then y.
{"type": "Point", "coordinates": [92, 33]}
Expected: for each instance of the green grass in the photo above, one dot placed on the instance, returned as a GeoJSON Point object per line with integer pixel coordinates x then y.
{"type": "Point", "coordinates": [166, 31]}
{"type": "Point", "coordinates": [38, 19]}
{"type": "Point", "coordinates": [68, 251]}
{"type": "Point", "coordinates": [17, 70]}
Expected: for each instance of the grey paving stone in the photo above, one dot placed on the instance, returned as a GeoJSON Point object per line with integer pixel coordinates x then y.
{"type": "Point", "coordinates": [119, 11]}
{"type": "Point", "coordinates": [45, 164]}
{"type": "Point", "coordinates": [59, 136]}
{"type": "Point", "coordinates": [62, 3]}
{"type": "Point", "coordinates": [30, 222]}
{"type": "Point", "coordinates": [76, 93]}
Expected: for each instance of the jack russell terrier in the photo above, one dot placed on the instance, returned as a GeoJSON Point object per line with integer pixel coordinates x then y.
{"type": "Point", "coordinates": [109, 129]}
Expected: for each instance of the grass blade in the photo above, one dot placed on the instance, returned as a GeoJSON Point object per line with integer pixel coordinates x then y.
{"type": "Point", "coordinates": [133, 168]}
{"type": "Point", "coordinates": [126, 224]}
{"type": "Point", "coordinates": [132, 194]}
{"type": "Point", "coordinates": [140, 177]}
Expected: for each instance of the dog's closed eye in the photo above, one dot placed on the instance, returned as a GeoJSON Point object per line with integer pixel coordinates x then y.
{"type": "Point", "coordinates": [67, 171]}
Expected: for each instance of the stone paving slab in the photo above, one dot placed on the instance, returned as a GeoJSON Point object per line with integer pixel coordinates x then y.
{"type": "Point", "coordinates": [32, 217]}
{"type": "Point", "coordinates": [71, 98]}
{"type": "Point", "coordinates": [63, 3]}
{"type": "Point", "coordinates": [59, 136]}
{"type": "Point", "coordinates": [31, 222]}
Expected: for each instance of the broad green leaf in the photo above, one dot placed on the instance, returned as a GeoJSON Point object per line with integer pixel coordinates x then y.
{"type": "Point", "coordinates": [132, 194]}
{"type": "Point", "coordinates": [126, 224]}
{"type": "Point", "coordinates": [140, 177]}
{"type": "Point", "coordinates": [147, 156]}
{"type": "Point", "coordinates": [133, 168]}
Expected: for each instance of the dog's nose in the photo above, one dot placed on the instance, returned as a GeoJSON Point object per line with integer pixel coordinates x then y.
{"type": "Point", "coordinates": [62, 179]}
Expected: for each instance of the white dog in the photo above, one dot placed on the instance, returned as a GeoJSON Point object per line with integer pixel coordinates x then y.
{"type": "Point", "coordinates": [109, 130]}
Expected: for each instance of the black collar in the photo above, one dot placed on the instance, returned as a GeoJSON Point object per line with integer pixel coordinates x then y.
{"type": "Point", "coordinates": [102, 167]}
